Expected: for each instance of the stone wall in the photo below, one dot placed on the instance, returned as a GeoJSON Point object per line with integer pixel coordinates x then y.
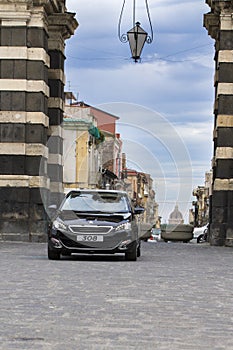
{"type": "Point", "coordinates": [32, 35]}
{"type": "Point", "coordinates": [219, 24]}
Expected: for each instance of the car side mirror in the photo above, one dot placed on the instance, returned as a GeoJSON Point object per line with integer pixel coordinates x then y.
{"type": "Point", "coordinates": [138, 210]}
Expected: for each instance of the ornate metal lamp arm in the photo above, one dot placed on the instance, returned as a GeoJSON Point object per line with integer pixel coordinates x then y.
{"type": "Point", "coordinates": [149, 39]}
{"type": "Point", "coordinates": [136, 36]}
{"type": "Point", "coordinates": [123, 37]}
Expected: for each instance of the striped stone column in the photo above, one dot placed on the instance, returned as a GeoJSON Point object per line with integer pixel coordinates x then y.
{"type": "Point", "coordinates": [25, 73]}
{"type": "Point", "coordinates": [60, 28]}
{"type": "Point", "coordinates": [219, 24]}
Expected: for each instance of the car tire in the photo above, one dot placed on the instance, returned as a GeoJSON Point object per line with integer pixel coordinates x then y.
{"type": "Point", "coordinates": [132, 254]}
{"type": "Point", "coordinates": [139, 251]}
{"type": "Point", "coordinates": [53, 255]}
{"type": "Point", "coordinates": [200, 238]}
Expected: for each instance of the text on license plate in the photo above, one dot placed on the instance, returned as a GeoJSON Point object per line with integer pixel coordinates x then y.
{"type": "Point", "coordinates": [90, 238]}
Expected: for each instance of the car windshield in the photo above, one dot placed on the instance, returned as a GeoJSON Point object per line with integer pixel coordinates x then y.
{"type": "Point", "coordinates": [96, 202]}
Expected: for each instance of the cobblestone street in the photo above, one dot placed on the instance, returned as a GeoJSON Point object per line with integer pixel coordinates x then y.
{"type": "Point", "coordinates": [175, 297]}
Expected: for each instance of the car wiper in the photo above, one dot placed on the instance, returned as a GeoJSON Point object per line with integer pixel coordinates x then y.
{"type": "Point", "coordinates": [90, 212]}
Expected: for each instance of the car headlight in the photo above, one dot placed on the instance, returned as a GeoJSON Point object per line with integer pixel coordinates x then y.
{"type": "Point", "coordinates": [59, 225]}
{"type": "Point", "coordinates": [124, 226]}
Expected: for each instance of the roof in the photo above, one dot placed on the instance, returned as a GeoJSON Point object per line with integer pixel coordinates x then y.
{"type": "Point", "coordinates": [85, 105]}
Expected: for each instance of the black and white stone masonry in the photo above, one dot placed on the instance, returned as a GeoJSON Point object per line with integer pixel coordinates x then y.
{"type": "Point", "coordinates": [219, 23]}
{"type": "Point", "coordinates": [32, 42]}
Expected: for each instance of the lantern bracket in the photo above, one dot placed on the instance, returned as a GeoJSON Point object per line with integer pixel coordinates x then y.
{"type": "Point", "coordinates": [124, 37]}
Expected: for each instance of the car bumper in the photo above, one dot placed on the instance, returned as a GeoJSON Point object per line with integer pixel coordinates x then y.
{"type": "Point", "coordinates": [121, 247]}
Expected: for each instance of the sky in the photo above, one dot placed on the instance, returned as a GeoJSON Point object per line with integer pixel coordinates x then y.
{"type": "Point", "coordinates": [165, 101]}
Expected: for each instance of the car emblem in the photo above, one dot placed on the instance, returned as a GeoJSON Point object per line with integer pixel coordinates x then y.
{"type": "Point", "coordinates": [90, 222]}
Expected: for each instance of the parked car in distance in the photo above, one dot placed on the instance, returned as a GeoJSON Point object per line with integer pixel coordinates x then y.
{"type": "Point", "coordinates": [155, 235]}
{"type": "Point", "coordinates": [199, 233]}
{"type": "Point", "coordinates": [95, 222]}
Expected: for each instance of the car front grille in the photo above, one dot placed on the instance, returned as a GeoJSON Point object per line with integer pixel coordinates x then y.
{"type": "Point", "coordinates": [90, 229]}
{"type": "Point", "coordinates": [109, 242]}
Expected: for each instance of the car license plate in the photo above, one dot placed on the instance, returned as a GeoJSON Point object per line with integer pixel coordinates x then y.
{"type": "Point", "coordinates": [90, 238]}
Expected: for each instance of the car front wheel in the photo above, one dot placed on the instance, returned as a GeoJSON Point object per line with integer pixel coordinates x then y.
{"type": "Point", "coordinates": [200, 238]}
{"type": "Point", "coordinates": [132, 254]}
{"type": "Point", "coordinates": [53, 255]}
{"type": "Point", "coordinates": [139, 251]}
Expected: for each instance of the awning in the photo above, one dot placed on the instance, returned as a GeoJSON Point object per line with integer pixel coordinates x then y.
{"type": "Point", "coordinates": [94, 131]}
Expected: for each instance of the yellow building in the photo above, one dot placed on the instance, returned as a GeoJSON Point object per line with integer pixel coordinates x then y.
{"type": "Point", "coordinates": [92, 148]}
{"type": "Point", "coordinates": [82, 156]}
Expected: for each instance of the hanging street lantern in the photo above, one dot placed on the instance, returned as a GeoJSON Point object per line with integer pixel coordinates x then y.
{"type": "Point", "coordinates": [136, 36]}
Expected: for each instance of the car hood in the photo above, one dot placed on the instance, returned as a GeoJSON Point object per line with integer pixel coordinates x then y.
{"type": "Point", "coordinates": [199, 230]}
{"type": "Point", "coordinates": [80, 218]}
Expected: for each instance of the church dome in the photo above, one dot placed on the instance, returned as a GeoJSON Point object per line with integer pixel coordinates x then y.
{"type": "Point", "coordinates": [176, 216]}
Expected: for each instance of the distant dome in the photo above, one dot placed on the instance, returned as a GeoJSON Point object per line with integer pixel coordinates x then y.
{"type": "Point", "coordinates": [176, 216]}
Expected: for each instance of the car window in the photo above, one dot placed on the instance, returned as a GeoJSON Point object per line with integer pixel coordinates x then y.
{"type": "Point", "coordinates": [96, 201]}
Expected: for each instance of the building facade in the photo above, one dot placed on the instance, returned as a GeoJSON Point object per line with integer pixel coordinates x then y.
{"type": "Point", "coordinates": [112, 147]}
{"type": "Point", "coordinates": [199, 216]}
{"type": "Point", "coordinates": [219, 23]}
{"type": "Point", "coordinates": [32, 43]}
{"type": "Point", "coordinates": [82, 158]}
{"type": "Point", "coordinates": [92, 149]}
{"type": "Point", "coordinates": [139, 186]}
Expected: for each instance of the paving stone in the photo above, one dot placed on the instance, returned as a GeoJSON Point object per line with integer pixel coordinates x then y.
{"type": "Point", "coordinates": [174, 297]}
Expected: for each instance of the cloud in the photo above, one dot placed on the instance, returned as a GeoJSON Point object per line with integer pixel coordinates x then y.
{"type": "Point", "coordinates": [179, 16]}
{"type": "Point", "coordinates": [153, 145]}
{"type": "Point", "coordinates": [177, 89]}
{"type": "Point", "coordinates": [173, 81]}
{"type": "Point", "coordinates": [176, 26]}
